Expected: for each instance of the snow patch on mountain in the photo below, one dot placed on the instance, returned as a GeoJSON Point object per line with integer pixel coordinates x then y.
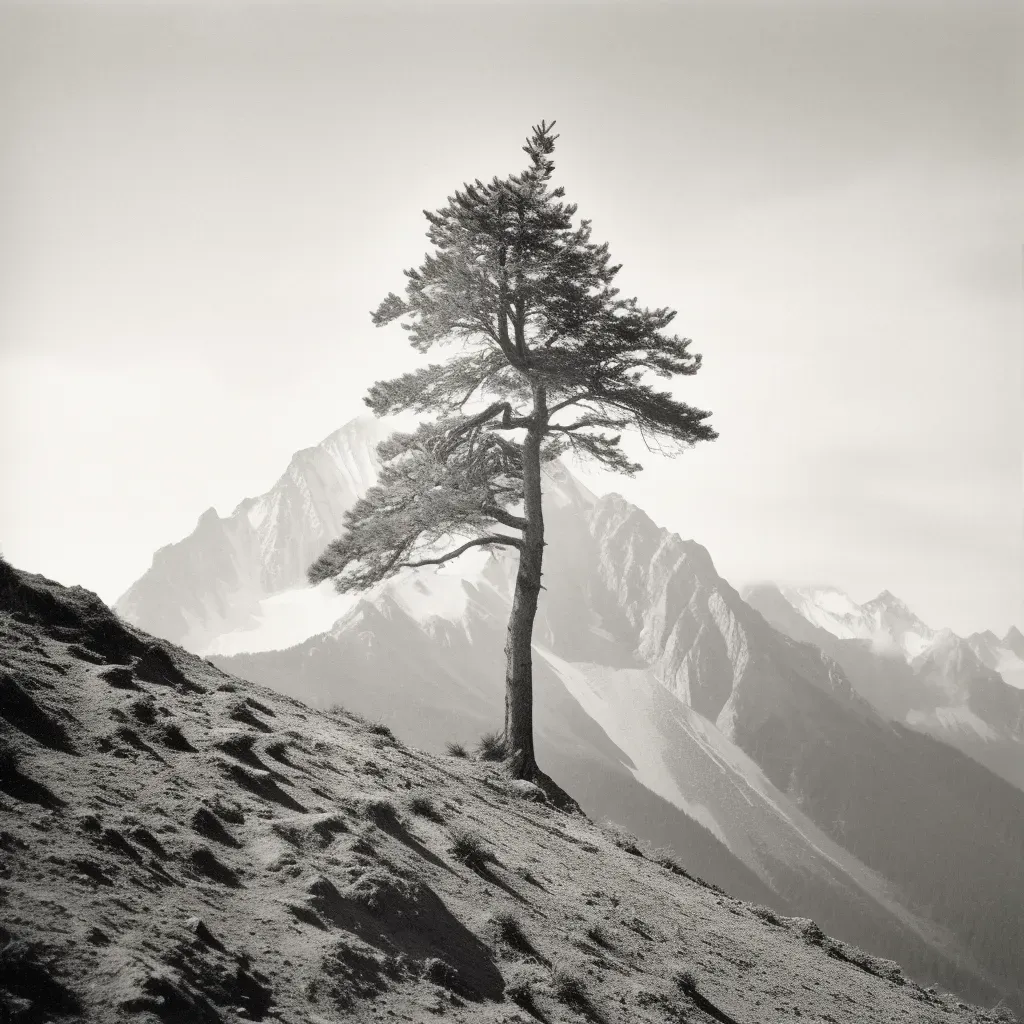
{"type": "Point", "coordinates": [284, 620]}
{"type": "Point", "coordinates": [885, 620]}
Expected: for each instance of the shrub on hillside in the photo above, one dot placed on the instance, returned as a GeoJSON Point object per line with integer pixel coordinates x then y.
{"type": "Point", "coordinates": [490, 747]}
{"type": "Point", "coordinates": [569, 988]}
{"type": "Point", "coordinates": [470, 849]}
{"type": "Point", "coordinates": [422, 805]}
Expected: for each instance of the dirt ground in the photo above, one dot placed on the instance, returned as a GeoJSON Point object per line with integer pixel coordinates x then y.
{"type": "Point", "coordinates": [180, 845]}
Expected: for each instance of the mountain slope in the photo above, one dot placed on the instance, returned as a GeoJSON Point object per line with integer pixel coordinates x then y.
{"type": "Point", "coordinates": [213, 581]}
{"type": "Point", "coordinates": [950, 688]}
{"type": "Point", "coordinates": [644, 653]}
{"type": "Point", "coordinates": [181, 845]}
{"type": "Point", "coordinates": [1005, 656]}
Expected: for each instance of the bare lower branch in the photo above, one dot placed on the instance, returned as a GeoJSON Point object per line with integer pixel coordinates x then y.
{"type": "Point", "coordinates": [496, 538]}
{"type": "Point", "coordinates": [505, 518]}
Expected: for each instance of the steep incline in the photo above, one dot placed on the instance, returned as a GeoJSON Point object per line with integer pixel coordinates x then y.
{"type": "Point", "coordinates": [183, 846]}
{"type": "Point", "coordinates": [644, 653]}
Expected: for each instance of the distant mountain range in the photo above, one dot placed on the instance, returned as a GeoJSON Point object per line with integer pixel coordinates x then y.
{"type": "Point", "coordinates": [774, 755]}
{"type": "Point", "coordinates": [965, 692]}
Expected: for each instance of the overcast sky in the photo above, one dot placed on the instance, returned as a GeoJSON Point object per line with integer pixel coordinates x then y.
{"type": "Point", "coordinates": [200, 203]}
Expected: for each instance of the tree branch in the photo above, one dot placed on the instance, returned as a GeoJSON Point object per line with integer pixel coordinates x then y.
{"type": "Point", "coordinates": [496, 538]}
{"type": "Point", "coordinates": [505, 518]}
{"type": "Point", "coordinates": [569, 401]}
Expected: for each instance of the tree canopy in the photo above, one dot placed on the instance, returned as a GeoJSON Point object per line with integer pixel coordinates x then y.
{"type": "Point", "coordinates": [526, 300]}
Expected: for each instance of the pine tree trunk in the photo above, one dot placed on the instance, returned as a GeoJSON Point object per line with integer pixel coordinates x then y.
{"type": "Point", "coordinates": [518, 736]}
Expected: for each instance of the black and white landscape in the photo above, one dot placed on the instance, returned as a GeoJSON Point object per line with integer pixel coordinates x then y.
{"type": "Point", "coordinates": [642, 642]}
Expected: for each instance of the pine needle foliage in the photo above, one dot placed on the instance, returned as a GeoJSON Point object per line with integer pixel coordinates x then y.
{"type": "Point", "coordinates": [545, 357]}
{"type": "Point", "coordinates": [529, 298]}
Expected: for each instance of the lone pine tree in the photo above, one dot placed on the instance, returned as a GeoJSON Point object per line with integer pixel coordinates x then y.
{"type": "Point", "coordinates": [547, 359]}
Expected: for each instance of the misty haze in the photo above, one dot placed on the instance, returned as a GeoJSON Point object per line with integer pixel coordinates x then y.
{"type": "Point", "coordinates": [511, 513]}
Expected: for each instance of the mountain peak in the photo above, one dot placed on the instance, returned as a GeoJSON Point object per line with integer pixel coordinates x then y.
{"type": "Point", "coordinates": [986, 637]}
{"type": "Point", "coordinates": [1014, 641]}
{"type": "Point", "coordinates": [209, 516]}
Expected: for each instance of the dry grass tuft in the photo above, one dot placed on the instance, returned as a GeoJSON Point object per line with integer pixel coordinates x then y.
{"type": "Point", "coordinates": [625, 840]}
{"type": "Point", "coordinates": [598, 935]}
{"type": "Point", "coordinates": [454, 749]}
{"type": "Point", "coordinates": [686, 982]}
{"type": "Point", "coordinates": [508, 928]}
{"type": "Point", "coordinates": [422, 805]}
{"type": "Point", "coordinates": [766, 914]}
{"type": "Point", "coordinates": [521, 983]}
{"type": "Point", "coordinates": [383, 733]}
{"type": "Point", "coordinates": [569, 988]}
{"type": "Point", "coordinates": [470, 849]}
{"type": "Point", "coordinates": [491, 747]}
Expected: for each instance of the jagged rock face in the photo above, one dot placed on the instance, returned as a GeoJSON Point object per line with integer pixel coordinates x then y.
{"type": "Point", "coordinates": [667, 591]}
{"type": "Point", "coordinates": [661, 598]}
{"type": "Point", "coordinates": [1005, 656]}
{"type": "Point", "coordinates": [212, 581]}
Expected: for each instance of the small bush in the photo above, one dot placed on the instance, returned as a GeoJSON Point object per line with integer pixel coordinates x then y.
{"type": "Point", "coordinates": [380, 729]}
{"type": "Point", "coordinates": [278, 750]}
{"type": "Point", "coordinates": [470, 849]}
{"type": "Point", "coordinates": [455, 750]}
{"type": "Point", "coordinates": [766, 914]}
{"type": "Point", "coordinates": [598, 935]}
{"type": "Point", "coordinates": [173, 737]}
{"type": "Point", "coordinates": [669, 863]}
{"type": "Point", "coordinates": [422, 805]}
{"type": "Point", "coordinates": [381, 811]}
{"type": "Point", "coordinates": [440, 972]}
{"type": "Point", "coordinates": [569, 988]}
{"type": "Point", "coordinates": [686, 982]}
{"type": "Point", "coordinates": [627, 841]}
{"type": "Point", "coordinates": [491, 747]}
{"type": "Point", "coordinates": [509, 929]}
{"type": "Point", "coordinates": [520, 986]}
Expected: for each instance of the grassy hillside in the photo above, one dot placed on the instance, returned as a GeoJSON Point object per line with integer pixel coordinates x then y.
{"type": "Point", "coordinates": [179, 845]}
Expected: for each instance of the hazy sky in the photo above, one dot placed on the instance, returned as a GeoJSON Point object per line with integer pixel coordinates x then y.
{"type": "Point", "coordinates": [200, 203]}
